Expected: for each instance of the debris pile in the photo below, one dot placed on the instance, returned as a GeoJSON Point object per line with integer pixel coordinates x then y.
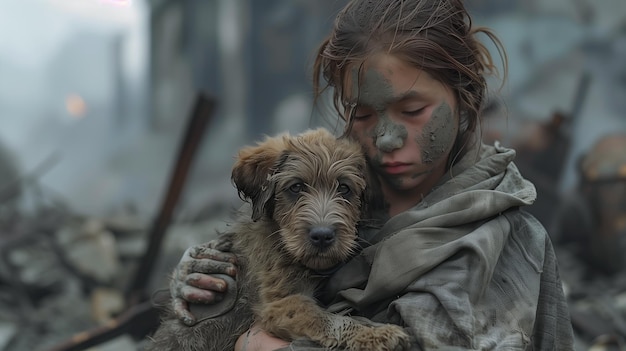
{"type": "Point", "coordinates": [63, 274]}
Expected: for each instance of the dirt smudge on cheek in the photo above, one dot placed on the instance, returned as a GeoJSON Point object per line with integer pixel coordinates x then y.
{"type": "Point", "coordinates": [438, 134]}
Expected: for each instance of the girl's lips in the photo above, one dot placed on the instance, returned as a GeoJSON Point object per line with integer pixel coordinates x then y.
{"type": "Point", "coordinates": [395, 167]}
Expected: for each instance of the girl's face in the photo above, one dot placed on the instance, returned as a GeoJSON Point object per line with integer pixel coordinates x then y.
{"type": "Point", "coordinates": [407, 122]}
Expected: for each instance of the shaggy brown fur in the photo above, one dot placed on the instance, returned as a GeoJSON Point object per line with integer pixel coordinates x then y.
{"type": "Point", "coordinates": [306, 193]}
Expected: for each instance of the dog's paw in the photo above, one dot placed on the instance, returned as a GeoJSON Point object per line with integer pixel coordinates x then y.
{"type": "Point", "coordinates": [387, 337]}
{"type": "Point", "coordinates": [328, 342]}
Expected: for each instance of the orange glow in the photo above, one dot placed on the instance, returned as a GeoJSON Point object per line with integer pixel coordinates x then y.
{"type": "Point", "coordinates": [76, 106]}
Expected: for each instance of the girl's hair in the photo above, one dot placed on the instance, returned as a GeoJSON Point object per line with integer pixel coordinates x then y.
{"type": "Point", "coordinates": [435, 36]}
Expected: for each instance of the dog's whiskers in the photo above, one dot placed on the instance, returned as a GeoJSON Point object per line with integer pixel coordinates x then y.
{"type": "Point", "coordinates": [363, 242]}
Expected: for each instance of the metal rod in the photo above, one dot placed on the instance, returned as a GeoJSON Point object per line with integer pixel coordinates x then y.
{"type": "Point", "coordinates": [196, 126]}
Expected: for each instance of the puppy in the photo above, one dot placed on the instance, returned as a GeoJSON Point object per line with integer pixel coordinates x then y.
{"type": "Point", "coordinates": [306, 195]}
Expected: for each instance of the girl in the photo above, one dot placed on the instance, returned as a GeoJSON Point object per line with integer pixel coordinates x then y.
{"type": "Point", "coordinates": [457, 261]}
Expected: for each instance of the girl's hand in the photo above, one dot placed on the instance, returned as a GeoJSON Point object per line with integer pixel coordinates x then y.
{"type": "Point", "coordinates": [192, 279]}
{"type": "Point", "coordinates": [256, 339]}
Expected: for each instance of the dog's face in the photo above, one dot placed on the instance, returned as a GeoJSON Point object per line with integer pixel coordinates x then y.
{"type": "Point", "coordinates": [312, 186]}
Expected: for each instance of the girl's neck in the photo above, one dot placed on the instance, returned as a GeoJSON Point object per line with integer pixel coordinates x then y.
{"type": "Point", "coordinates": [398, 201]}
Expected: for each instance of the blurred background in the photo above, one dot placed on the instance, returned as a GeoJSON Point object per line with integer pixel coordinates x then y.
{"type": "Point", "coordinates": [120, 119]}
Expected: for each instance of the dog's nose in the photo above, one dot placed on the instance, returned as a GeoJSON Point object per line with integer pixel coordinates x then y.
{"type": "Point", "coordinates": [322, 237]}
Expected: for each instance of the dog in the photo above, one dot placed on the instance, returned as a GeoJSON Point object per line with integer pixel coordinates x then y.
{"type": "Point", "coordinates": [306, 194]}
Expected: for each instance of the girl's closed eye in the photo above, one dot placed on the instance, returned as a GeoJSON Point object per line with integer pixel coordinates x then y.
{"type": "Point", "coordinates": [412, 109]}
{"type": "Point", "coordinates": [413, 112]}
{"type": "Point", "coordinates": [361, 113]}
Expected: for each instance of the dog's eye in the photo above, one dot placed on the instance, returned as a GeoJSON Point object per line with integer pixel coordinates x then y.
{"type": "Point", "coordinates": [296, 188]}
{"type": "Point", "coordinates": [343, 189]}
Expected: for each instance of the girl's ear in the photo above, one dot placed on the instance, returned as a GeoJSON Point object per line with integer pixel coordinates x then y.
{"type": "Point", "coordinates": [253, 170]}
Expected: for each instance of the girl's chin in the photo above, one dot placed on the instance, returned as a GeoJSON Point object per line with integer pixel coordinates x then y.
{"type": "Point", "coordinates": [404, 186]}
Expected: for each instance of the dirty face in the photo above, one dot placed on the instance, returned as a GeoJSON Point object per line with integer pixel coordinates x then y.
{"type": "Point", "coordinates": [407, 122]}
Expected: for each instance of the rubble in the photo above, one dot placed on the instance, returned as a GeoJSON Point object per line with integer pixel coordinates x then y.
{"type": "Point", "coordinates": [91, 248]}
{"type": "Point", "coordinates": [73, 277]}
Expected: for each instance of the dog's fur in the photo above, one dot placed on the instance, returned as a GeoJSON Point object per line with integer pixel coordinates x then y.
{"type": "Point", "coordinates": [306, 193]}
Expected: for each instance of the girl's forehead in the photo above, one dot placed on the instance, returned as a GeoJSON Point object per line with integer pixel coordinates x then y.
{"type": "Point", "coordinates": [387, 74]}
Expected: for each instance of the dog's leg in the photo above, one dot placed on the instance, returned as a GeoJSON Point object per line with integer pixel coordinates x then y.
{"type": "Point", "coordinates": [216, 334]}
{"type": "Point", "coordinates": [298, 316]}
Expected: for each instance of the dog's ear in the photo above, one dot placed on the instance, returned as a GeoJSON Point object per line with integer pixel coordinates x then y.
{"type": "Point", "coordinates": [253, 170]}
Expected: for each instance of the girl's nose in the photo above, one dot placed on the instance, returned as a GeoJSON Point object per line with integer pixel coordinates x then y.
{"type": "Point", "coordinates": [388, 143]}
{"type": "Point", "coordinates": [389, 136]}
